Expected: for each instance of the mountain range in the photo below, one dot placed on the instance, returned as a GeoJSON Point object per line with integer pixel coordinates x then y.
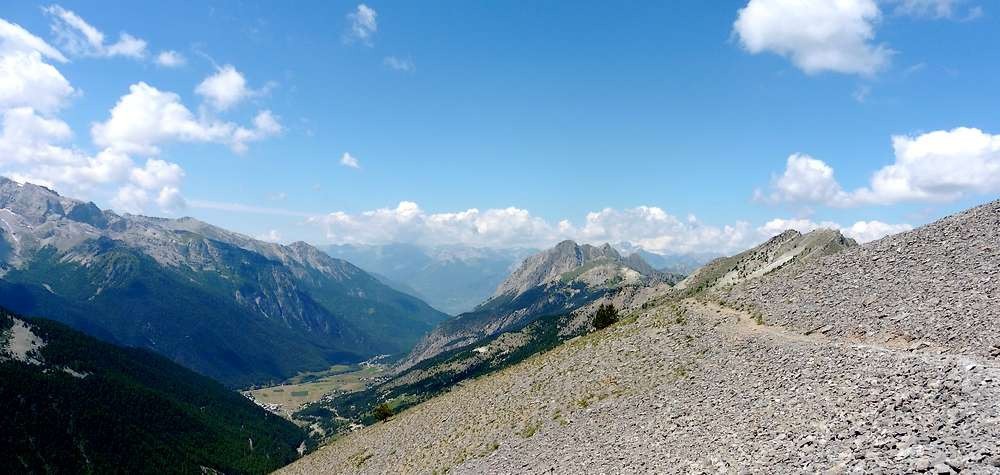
{"type": "Point", "coordinates": [237, 309]}
{"type": "Point", "coordinates": [671, 263]}
{"type": "Point", "coordinates": [828, 341]}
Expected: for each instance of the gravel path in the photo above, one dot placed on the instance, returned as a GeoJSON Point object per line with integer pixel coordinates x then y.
{"type": "Point", "coordinates": [695, 388]}
{"type": "Point", "coordinates": [938, 285]}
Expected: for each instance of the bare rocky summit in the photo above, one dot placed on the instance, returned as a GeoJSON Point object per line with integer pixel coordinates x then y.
{"type": "Point", "coordinates": [556, 281]}
{"type": "Point", "coordinates": [874, 359]}
{"type": "Point", "coordinates": [550, 265]}
{"type": "Point", "coordinates": [788, 249]}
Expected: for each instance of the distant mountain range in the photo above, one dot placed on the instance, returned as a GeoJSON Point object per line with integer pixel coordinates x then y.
{"type": "Point", "coordinates": [236, 309]}
{"type": "Point", "coordinates": [73, 404]}
{"type": "Point", "coordinates": [682, 264]}
{"type": "Point", "coordinates": [453, 279]}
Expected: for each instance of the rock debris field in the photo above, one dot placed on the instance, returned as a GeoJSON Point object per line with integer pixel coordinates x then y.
{"type": "Point", "coordinates": [694, 387]}
{"type": "Point", "coordinates": [881, 358]}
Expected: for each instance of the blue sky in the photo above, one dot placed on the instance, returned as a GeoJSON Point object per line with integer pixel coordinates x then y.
{"type": "Point", "coordinates": [670, 123]}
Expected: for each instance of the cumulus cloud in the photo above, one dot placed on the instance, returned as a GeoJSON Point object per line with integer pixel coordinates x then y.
{"type": "Point", "coordinates": [224, 89]}
{"type": "Point", "coordinates": [349, 161]}
{"type": "Point", "coordinates": [36, 145]}
{"type": "Point", "coordinates": [14, 38]}
{"type": "Point", "coordinates": [26, 79]}
{"type": "Point", "coordinates": [170, 59]}
{"type": "Point", "coordinates": [647, 227]}
{"type": "Point", "coordinates": [363, 24]}
{"type": "Point", "coordinates": [815, 35]}
{"type": "Point", "coordinates": [407, 222]}
{"type": "Point", "coordinates": [938, 166]}
{"type": "Point", "coordinates": [272, 235]}
{"type": "Point", "coordinates": [146, 117]}
{"type": "Point", "coordinates": [80, 38]}
{"type": "Point", "coordinates": [805, 180]}
{"type": "Point", "coordinates": [399, 64]}
{"type": "Point", "coordinates": [655, 230]}
{"type": "Point", "coordinates": [861, 231]}
{"type": "Point", "coordinates": [265, 125]}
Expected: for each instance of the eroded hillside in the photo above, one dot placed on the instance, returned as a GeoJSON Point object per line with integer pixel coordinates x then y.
{"type": "Point", "coordinates": [796, 370]}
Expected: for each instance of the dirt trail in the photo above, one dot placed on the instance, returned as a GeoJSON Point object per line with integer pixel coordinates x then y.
{"type": "Point", "coordinates": [746, 326]}
{"type": "Point", "coordinates": [696, 387]}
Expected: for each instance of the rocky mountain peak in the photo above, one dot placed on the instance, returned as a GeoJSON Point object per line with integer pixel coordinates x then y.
{"type": "Point", "coordinates": [563, 259]}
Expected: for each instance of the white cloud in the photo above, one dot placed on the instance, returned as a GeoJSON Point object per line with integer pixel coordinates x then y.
{"type": "Point", "coordinates": [15, 38]}
{"type": "Point", "coordinates": [170, 200]}
{"type": "Point", "coordinates": [26, 79]}
{"type": "Point", "coordinates": [157, 174]}
{"type": "Point", "coordinates": [78, 37]}
{"type": "Point", "coordinates": [655, 230]}
{"type": "Point", "coordinates": [399, 64]}
{"type": "Point", "coordinates": [349, 161]}
{"type": "Point", "coordinates": [647, 227]}
{"type": "Point", "coordinates": [363, 24]}
{"type": "Point", "coordinates": [272, 235]}
{"type": "Point", "coordinates": [938, 166]}
{"type": "Point", "coordinates": [861, 231]}
{"type": "Point", "coordinates": [407, 222]}
{"type": "Point", "coordinates": [170, 59]}
{"type": "Point", "coordinates": [265, 125]}
{"type": "Point", "coordinates": [147, 116]}
{"type": "Point", "coordinates": [816, 35]}
{"type": "Point", "coordinates": [942, 165]}
{"type": "Point", "coordinates": [224, 89]}
{"type": "Point", "coordinates": [35, 145]}
{"type": "Point", "coordinates": [806, 180]}
{"type": "Point", "coordinates": [128, 46]}
{"type": "Point", "coordinates": [130, 199]}
{"type": "Point", "coordinates": [864, 231]}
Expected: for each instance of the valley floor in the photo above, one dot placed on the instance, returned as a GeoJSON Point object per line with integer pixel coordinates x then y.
{"type": "Point", "coordinates": [288, 397]}
{"type": "Point", "coordinates": [694, 387]}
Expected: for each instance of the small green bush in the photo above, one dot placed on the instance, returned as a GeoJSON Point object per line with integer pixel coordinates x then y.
{"type": "Point", "coordinates": [605, 316]}
{"type": "Point", "coordinates": [383, 412]}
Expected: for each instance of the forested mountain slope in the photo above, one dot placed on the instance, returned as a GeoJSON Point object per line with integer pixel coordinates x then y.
{"type": "Point", "coordinates": [73, 404]}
